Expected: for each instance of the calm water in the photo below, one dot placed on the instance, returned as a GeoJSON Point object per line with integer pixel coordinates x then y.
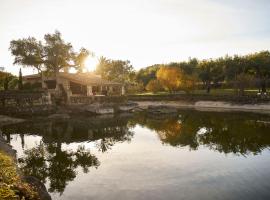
{"type": "Point", "coordinates": [196, 155]}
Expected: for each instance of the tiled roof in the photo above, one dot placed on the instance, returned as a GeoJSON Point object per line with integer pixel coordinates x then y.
{"type": "Point", "coordinates": [80, 78]}
{"type": "Point", "coordinates": [87, 79]}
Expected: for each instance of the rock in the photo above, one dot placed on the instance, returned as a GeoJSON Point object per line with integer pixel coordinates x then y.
{"type": "Point", "coordinates": [127, 107]}
{"type": "Point", "coordinates": [59, 116]}
{"type": "Point", "coordinates": [40, 187]}
{"type": "Point", "coordinates": [99, 109]}
{"type": "Point", "coordinates": [162, 109]}
{"type": "Point", "coordinates": [4, 120]}
{"type": "Point", "coordinates": [138, 109]}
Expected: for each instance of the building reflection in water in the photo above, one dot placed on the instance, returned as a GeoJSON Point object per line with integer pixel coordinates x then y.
{"type": "Point", "coordinates": [222, 132]}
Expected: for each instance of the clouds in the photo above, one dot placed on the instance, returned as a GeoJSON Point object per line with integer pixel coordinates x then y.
{"type": "Point", "coordinates": [143, 31]}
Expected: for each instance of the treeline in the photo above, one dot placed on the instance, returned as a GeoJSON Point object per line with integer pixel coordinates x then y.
{"type": "Point", "coordinates": [238, 72]}
{"type": "Point", "coordinates": [53, 55]}
{"type": "Point", "coordinates": [8, 81]}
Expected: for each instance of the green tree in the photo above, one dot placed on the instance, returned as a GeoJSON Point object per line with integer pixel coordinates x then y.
{"type": "Point", "coordinates": [8, 81]}
{"type": "Point", "coordinates": [145, 75]}
{"type": "Point", "coordinates": [59, 55]}
{"type": "Point", "coordinates": [28, 52]}
{"type": "Point", "coordinates": [53, 56]}
{"type": "Point", "coordinates": [238, 71]}
{"type": "Point", "coordinates": [115, 70]}
{"type": "Point", "coordinates": [260, 64]}
{"type": "Point", "coordinates": [210, 71]}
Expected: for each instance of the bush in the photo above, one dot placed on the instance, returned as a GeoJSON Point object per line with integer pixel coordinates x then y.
{"type": "Point", "coordinates": [11, 186]}
{"type": "Point", "coordinates": [153, 86]}
{"type": "Point", "coordinates": [135, 88]}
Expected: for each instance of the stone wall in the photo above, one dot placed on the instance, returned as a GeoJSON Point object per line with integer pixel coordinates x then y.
{"type": "Point", "coordinates": [25, 102]}
{"type": "Point", "coordinates": [96, 99]}
{"type": "Point", "coordinates": [24, 98]}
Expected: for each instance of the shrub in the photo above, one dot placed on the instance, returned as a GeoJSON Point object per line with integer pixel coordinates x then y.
{"type": "Point", "coordinates": [153, 86]}
{"type": "Point", "coordinates": [11, 186]}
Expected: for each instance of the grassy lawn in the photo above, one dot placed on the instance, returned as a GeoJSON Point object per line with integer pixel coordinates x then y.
{"type": "Point", "coordinates": [214, 92]}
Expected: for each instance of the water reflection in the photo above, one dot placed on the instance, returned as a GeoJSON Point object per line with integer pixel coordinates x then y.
{"type": "Point", "coordinates": [57, 165]}
{"type": "Point", "coordinates": [49, 161]}
{"type": "Point", "coordinates": [223, 132]}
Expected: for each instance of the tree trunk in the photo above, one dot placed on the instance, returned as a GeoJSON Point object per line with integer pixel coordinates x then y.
{"type": "Point", "coordinates": [263, 86]}
{"type": "Point", "coordinates": [43, 85]}
{"type": "Point", "coordinates": [208, 87]}
{"type": "Point", "coordinates": [57, 81]}
{"type": "Point", "coordinates": [241, 91]}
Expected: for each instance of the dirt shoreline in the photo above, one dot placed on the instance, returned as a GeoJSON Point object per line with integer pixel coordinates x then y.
{"type": "Point", "coordinates": [217, 106]}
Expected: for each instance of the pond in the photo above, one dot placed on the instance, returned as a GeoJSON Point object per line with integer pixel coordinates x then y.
{"type": "Point", "coordinates": [194, 155]}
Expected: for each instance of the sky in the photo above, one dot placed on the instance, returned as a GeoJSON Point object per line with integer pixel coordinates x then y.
{"type": "Point", "coordinates": [146, 32]}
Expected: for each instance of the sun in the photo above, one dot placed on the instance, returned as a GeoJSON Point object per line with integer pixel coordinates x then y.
{"type": "Point", "coordinates": [91, 64]}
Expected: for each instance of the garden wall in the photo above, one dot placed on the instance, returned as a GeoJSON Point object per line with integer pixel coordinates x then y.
{"type": "Point", "coordinates": [75, 100]}
{"type": "Point", "coordinates": [25, 102]}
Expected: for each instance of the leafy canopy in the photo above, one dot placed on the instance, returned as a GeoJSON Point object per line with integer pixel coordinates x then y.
{"type": "Point", "coordinates": [52, 55]}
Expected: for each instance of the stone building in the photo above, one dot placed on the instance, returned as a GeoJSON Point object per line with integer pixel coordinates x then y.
{"type": "Point", "coordinates": [76, 84]}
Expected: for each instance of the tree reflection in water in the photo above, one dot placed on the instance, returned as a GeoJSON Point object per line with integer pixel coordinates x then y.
{"type": "Point", "coordinates": [50, 161]}
{"type": "Point", "coordinates": [224, 132]}
{"type": "Point", "coordinates": [59, 166]}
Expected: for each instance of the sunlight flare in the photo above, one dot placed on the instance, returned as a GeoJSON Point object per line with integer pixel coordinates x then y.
{"type": "Point", "coordinates": [91, 64]}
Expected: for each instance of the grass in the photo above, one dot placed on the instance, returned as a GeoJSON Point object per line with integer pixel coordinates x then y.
{"type": "Point", "coordinates": [11, 186]}
{"type": "Point", "coordinates": [213, 92]}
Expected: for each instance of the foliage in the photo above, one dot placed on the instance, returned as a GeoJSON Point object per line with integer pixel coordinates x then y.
{"type": "Point", "coordinates": [115, 70]}
{"type": "Point", "coordinates": [27, 52]}
{"type": "Point", "coordinates": [170, 78]}
{"type": "Point", "coordinates": [260, 65]}
{"type": "Point", "coordinates": [210, 71]}
{"type": "Point", "coordinates": [11, 186]}
{"type": "Point", "coordinates": [243, 81]}
{"type": "Point", "coordinates": [7, 81]}
{"type": "Point", "coordinates": [135, 88]}
{"type": "Point", "coordinates": [147, 74]}
{"type": "Point", "coordinates": [153, 86]}
{"type": "Point", "coordinates": [188, 82]}
{"type": "Point", "coordinates": [51, 56]}
{"type": "Point", "coordinates": [228, 71]}
{"type": "Point", "coordinates": [54, 55]}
